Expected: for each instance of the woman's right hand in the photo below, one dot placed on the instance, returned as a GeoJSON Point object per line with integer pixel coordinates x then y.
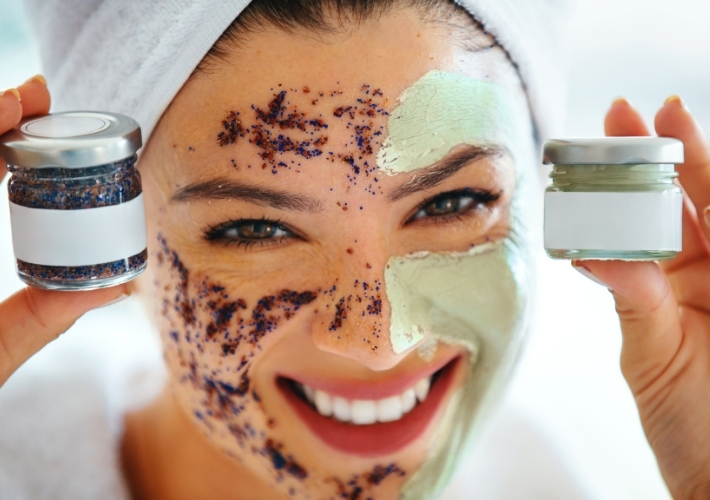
{"type": "Point", "coordinates": [664, 311]}
{"type": "Point", "coordinates": [32, 318]}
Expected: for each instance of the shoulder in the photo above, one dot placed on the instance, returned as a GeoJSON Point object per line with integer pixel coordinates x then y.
{"type": "Point", "coordinates": [59, 438]}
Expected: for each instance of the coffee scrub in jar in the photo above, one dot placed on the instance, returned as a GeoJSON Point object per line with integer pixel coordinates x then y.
{"type": "Point", "coordinates": [76, 202]}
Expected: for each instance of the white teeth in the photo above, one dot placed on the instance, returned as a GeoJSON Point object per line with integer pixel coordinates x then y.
{"type": "Point", "coordinates": [341, 409]}
{"type": "Point", "coordinates": [324, 403]}
{"type": "Point", "coordinates": [309, 392]}
{"type": "Point", "coordinates": [389, 409]}
{"type": "Point", "coordinates": [368, 411]}
{"type": "Point", "coordinates": [421, 389]}
{"type": "Point", "coordinates": [409, 399]}
{"type": "Point", "coordinates": [364, 411]}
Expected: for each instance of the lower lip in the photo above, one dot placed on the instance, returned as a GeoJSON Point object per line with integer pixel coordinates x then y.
{"type": "Point", "coordinates": [375, 439]}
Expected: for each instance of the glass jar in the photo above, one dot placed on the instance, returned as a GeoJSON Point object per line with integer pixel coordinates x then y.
{"type": "Point", "coordinates": [76, 203]}
{"type": "Point", "coordinates": [613, 198]}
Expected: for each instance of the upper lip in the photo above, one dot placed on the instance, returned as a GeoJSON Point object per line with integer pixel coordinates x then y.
{"type": "Point", "coordinates": [369, 389]}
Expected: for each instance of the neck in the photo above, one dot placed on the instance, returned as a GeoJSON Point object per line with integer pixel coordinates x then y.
{"type": "Point", "coordinates": [165, 456]}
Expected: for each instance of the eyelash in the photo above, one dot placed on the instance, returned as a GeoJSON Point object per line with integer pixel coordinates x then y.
{"type": "Point", "coordinates": [218, 233]}
{"type": "Point", "coordinates": [478, 197]}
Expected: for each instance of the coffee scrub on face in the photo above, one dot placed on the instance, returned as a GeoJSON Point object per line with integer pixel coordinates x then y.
{"type": "Point", "coordinates": [76, 203]}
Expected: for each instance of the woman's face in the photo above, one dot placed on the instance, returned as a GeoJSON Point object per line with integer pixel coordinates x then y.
{"type": "Point", "coordinates": [301, 270]}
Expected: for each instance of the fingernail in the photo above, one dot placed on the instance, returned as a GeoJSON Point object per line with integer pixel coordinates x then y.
{"type": "Point", "coordinates": [620, 101]}
{"type": "Point", "coordinates": [675, 99]}
{"type": "Point", "coordinates": [587, 273]}
{"type": "Point", "coordinates": [14, 92]}
{"type": "Point", "coordinates": [706, 216]}
{"type": "Point", "coordinates": [37, 78]}
{"type": "Point", "coordinates": [118, 299]}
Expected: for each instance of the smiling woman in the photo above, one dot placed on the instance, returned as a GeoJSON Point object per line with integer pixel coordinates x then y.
{"type": "Point", "coordinates": [339, 239]}
{"type": "Point", "coordinates": [341, 280]}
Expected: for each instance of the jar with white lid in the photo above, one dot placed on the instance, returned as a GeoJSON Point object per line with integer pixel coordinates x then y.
{"type": "Point", "coordinates": [76, 202]}
{"type": "Point", "coordinates": [613, 198]}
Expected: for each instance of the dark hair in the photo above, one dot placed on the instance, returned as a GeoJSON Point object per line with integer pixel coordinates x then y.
{"type": "Point", "coordinates": [322, 17]}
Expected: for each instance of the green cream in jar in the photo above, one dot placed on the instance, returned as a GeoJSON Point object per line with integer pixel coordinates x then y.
{"type": "Point", "coordinates": [613, 198]}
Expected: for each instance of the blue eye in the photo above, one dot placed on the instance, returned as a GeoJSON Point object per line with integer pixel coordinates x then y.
{"type": "Point", "coordinates": [248, 232]}
{"type": "Point", "coordinates": [454, 203]}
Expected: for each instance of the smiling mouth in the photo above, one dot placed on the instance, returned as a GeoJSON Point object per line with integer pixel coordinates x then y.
{"type": "Point", "coordinates": [370, 427]}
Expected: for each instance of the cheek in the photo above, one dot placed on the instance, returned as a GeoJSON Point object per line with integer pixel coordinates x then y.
{"type": "Point", "coordinates": [467, 298]}
{"type": "Point", "coordinates": [211, 332]}
{"type": "Point", "coordinates": [213, 339]}
{"type": "Point", "coordinates": [479, 299]}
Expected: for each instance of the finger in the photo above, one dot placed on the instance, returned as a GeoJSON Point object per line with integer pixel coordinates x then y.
{"type": "Point", "coordinates": [32, 318]}
{"type": "Point", "coordinates": [648, 313]}
{"type": "Point", "coordinates": [691, 285]}
{"type": "Point", "coordinates": [10, 115]}
{"type": "Point", "coordinates": [674, 120]}
{"type": "Point", "coordinates": [34, 96]}
{"type": "Point", "coordinates": [695, 246]}
{"type": "Point", "coordinates": [623, 120]}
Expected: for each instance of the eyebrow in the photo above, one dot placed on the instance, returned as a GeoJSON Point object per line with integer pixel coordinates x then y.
{"type": "Point", "coordinates": [442, 170]}
{"type": "Point", "coordinates": [227, 189]}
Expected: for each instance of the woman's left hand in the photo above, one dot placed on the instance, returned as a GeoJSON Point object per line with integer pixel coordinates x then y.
{"type": "Point", "coordinates": [664, 310]}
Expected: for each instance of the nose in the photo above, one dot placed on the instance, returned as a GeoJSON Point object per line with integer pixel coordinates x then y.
{"type": "Point", "coordinates": [354, 314]}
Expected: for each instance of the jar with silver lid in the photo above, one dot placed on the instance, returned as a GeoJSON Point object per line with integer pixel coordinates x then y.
{"type": "Point", "coordinates": [613, 198]}
{"type": "Point", "coordinates": [76, 203]}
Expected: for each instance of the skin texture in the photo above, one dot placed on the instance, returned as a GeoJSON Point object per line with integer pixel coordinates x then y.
{"type": "Point", "coordinates": [663, 308]}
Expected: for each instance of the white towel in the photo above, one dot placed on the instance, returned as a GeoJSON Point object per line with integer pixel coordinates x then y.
{"type": "Point", "coordinates": [58, 438]}
{"type": "Point", "coordinates": [132, 56]}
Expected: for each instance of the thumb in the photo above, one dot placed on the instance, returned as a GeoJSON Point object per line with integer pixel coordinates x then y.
{"type": "Point", "coordinates": [32, 318]}
{"type": "Point", "coordinates": [648, 314]}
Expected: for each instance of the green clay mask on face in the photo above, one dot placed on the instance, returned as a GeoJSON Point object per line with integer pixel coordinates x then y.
{"type": "Point", "coordinates": [462, 298]}
{"type": "Point", "coordinates": [440, 111]}
{"type": "Point", "coordinates": [476, 299]}
{"type": "Point", "coordinates": [479, 298]}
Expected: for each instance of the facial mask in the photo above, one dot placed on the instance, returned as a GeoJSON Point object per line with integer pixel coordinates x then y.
{"type": "Point", "coordinates": [440, 111]}
{"type": "Point", "coordinates": [479, 298]}
{"type": "Point", "coordinates": [476, 299]}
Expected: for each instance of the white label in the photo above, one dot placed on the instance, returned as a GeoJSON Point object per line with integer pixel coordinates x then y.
{"type": "Point", "coordinates": [613, 221]}
{"type": "Point", "coordinates": [78, 237]}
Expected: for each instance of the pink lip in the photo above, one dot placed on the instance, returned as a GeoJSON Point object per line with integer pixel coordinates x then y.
{"type": "Point", "coordinates": [372, 389]}
{"type": "Point", "coordinates": [380, 438]}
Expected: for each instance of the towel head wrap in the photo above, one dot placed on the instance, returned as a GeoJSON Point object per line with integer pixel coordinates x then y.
{"type": "Point", "coordinates": [132, 57]}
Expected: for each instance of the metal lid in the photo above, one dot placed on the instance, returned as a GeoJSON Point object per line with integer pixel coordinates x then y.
{"type": "Point", "coordinates": [613, 151]}
{"type": "Point", "coordinates": [73, 139]}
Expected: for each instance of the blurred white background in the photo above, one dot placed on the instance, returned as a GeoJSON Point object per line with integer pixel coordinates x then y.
{"type": "Point", "coordinates": [568, 382]}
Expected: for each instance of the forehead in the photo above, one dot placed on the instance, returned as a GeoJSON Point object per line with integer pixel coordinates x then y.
{"type": "Point", "coordinates": [389, 53]}
{"type": "Point", "coordinates": [366, 67]}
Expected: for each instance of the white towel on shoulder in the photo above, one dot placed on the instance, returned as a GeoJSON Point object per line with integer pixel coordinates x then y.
{"type": "Point", "coordinates": [58, 438]}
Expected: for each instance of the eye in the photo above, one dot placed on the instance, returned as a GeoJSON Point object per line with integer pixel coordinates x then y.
{"type": "Point", "coordinates": [248, 232]}
{"type": "Point", "coordinates": [454, 203]}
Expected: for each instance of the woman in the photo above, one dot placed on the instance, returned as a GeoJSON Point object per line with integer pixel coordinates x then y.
{"type": "Point", "coordinates": [341, 273]}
